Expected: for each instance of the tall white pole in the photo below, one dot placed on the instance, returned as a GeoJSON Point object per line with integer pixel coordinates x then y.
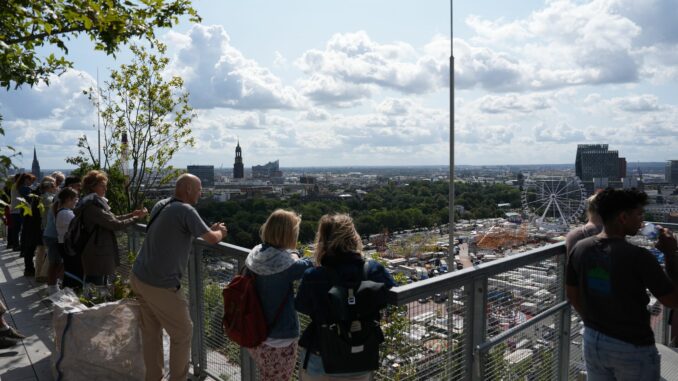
{"type": "Point", "coordinates": [450, 263]}
{"type": "Point", "coordinates": [98, 120]}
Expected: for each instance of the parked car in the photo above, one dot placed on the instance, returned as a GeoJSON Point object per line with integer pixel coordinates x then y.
{"type": "Point", "coordinates": [440, 297]}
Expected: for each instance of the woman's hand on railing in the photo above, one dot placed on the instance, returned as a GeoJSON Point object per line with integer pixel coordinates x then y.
{"type": "Point", "coordinates": [140, 213]}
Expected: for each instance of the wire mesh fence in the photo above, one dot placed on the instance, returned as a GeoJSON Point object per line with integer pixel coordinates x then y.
{"type": "Point", "coordinates": [222, 357]}
{"type": "Point", "coordinates": [424, 338]}
{"type": "Point", "coordinates": [515, 296]}
{"type": "Point", "coordinates": [434, 335]}
{"type": "Point", "coordinates": [529, 355]}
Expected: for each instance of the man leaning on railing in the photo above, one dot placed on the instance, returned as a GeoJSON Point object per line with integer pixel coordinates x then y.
{"type": "Point", "coordinates": [607, 279]}
{"type": "Point", "coordinates": [157, 272]}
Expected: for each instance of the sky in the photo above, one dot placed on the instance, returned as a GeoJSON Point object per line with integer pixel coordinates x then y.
{"type": "Point", "coordinates": [335, 83]}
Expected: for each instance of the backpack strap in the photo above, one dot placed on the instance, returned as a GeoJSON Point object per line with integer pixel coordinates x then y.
{"type": "Point", "coordinates": [155, 216]}
{"type": "Point", "coordinates": [366, 270]}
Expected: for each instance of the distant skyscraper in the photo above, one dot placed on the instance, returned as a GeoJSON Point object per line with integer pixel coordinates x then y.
{"type": "Point", "coordinates": [35, 168]}
{"type": "Point", "coordinates": [622, 167]}
{"type": "Point", "coordinates": [238, 167]}
{"type": "Point", "coordinates": [596, 160]}
{"type": "Point", "coordinates": [204, 172]}
{"type": "Point", "coordinates": [671, 172]}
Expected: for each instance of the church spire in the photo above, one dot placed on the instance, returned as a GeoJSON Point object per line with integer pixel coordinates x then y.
{"type": "Point", "coordinates": [238, 166]}
{"type": "Point", "coordinates": [35, 167]}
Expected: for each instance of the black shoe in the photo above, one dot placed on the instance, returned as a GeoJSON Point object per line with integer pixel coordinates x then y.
{"type": "Point", "coordinates": [6, 342]}
{"type": "Point", "coordinates": [11, 333]}
{"type": "Point", "coordinates": [29, 273]}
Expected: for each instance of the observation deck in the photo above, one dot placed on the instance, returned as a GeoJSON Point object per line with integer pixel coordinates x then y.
{"type": "Point", "coordinates": [502, 320]}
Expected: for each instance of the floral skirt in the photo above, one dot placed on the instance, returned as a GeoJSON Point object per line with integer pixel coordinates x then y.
{"type": "Point", "coordinates": [274, 364]}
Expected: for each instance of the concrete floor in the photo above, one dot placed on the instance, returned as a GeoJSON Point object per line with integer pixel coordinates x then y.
{"type": "Point", "coordinates": [30, 358]}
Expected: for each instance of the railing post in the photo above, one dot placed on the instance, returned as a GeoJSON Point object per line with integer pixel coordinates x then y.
{"type": "Point", "coordinates": [475, 326]}
{"type": "Point", "coordinates": [563, 363]}
{"type": "Point", "coordinates": [196, 302]}
{"type": "Point", "coordinates": [564, 345]}
{"type": "Point", "coordinates": [248, 369]}
{"type": "Point", "coordinates": [666, 326]}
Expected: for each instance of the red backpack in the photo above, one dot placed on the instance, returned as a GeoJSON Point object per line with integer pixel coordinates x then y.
{"type": "Point", "coordinates": [244, 320]}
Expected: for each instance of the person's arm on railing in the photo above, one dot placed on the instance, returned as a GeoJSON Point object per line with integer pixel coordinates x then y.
{"type": "Point", "coordinates": [216, 233]}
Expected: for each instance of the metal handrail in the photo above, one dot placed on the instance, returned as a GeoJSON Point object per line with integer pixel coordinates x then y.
{"type": "Point", "coordinates": [413, 291]}
{"type": "Point", "coordinates": [228, 249]}
{"type": "Point", "coordinates": [473, 280]}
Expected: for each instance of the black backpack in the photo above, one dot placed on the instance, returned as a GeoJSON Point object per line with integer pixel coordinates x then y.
{"type": "Point", "coordinates": [77, 235]}
{"type": "Point", "coordinates": [349, 340]}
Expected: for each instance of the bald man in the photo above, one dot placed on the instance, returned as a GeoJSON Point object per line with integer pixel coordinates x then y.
{"type": "Point", "coordinates": [157, 272]}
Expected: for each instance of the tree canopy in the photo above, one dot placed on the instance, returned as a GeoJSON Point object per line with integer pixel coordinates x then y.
{"type": "Point", "coordinates": [28, 25]}
{"type": "Point", "coordinates": [146, 120]}
{"type": "Point", "coordinates": [385, 208]}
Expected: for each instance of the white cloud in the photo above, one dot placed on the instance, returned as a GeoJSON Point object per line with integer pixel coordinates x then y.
{"type": "Point", "coordinates": [279, 60]}
{"type": "Point", "coordinates": [356, 59]}
{"type": "Point", "coordinates": [494, 104]}
{"type": "Point", "coordinates": [637, 103]}
{"type": "Point", "coordinates": [560, 133]}
{"type": "Point", "coordinates": [63, 98]}
{"type": "Point", "coordinates": [571, 43]}
{"type": "Point", "coordinates": [326, 90]}
{"type": "Point", "coordinates": [219, 75]}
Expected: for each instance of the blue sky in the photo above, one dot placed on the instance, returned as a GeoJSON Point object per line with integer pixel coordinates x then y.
{"type": "Point", "coordinates": [366, 83]}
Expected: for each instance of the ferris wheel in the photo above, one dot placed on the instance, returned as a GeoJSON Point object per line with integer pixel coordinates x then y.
{"type": "Point", "coordinates": [553, 202]}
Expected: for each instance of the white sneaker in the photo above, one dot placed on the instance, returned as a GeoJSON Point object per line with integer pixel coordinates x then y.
{"type": "Point", "coordinates": [51, 289]}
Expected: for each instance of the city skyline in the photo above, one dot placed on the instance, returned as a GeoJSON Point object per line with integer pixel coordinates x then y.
{"type": "Point", "coordinates": [305, 82]}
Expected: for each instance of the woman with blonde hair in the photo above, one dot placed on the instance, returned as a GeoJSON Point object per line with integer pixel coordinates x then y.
{"type": "Point", "coordinates": [276, 266]}
{"type": "Point", "coordinates": [338, 255]}
{"type": "Point", "coordinates": [100, 256]}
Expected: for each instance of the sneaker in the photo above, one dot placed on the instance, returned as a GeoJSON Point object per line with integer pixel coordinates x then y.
{"type": "Point", "coordinates": [6, 342]}
{"type": "Point", "coordinates": [51, 289]}
{"type": "Point", "coordinates": [11, 333]}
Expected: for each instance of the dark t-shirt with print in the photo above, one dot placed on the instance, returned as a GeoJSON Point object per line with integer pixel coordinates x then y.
{"type": "Point", "coordinates": [612, 276]}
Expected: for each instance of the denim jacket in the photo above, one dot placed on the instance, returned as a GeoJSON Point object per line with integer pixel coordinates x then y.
{"type": "Point", "coordinates": [276, 270]}
{"type": "Point", "coordinates": [312, 298]}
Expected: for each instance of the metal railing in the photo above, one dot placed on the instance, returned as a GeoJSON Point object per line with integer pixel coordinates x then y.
{"type": "Point", "coordinates": [502, 320]}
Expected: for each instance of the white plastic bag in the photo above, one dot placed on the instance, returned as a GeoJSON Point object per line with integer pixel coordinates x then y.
{"type": "Point", "coordinates": [98, 343]}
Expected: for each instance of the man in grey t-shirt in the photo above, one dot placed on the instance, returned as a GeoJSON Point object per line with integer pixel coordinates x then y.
{"type": "Point", "coordinates": [157, 272]}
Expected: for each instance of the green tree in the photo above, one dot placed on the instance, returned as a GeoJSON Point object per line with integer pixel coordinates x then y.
{"type": "Point", "coordinates": [496, 365]}
{"type": "Point", "coordinates": [146, 120]}
{"type": "Point", "coordinates": [27, 25]}
{"type": "Point", "coordinates": [6, 158]}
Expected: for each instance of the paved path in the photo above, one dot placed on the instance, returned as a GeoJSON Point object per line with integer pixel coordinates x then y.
{"type": "Point", "coordinates": [30, 358]}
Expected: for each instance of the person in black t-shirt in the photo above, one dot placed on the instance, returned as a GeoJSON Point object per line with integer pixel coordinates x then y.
{"type": "Point", "coordinates": [607, 283]}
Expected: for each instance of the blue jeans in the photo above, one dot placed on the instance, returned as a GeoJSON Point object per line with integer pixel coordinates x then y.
{"type": "Point", "coordinates": [610, 359]}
